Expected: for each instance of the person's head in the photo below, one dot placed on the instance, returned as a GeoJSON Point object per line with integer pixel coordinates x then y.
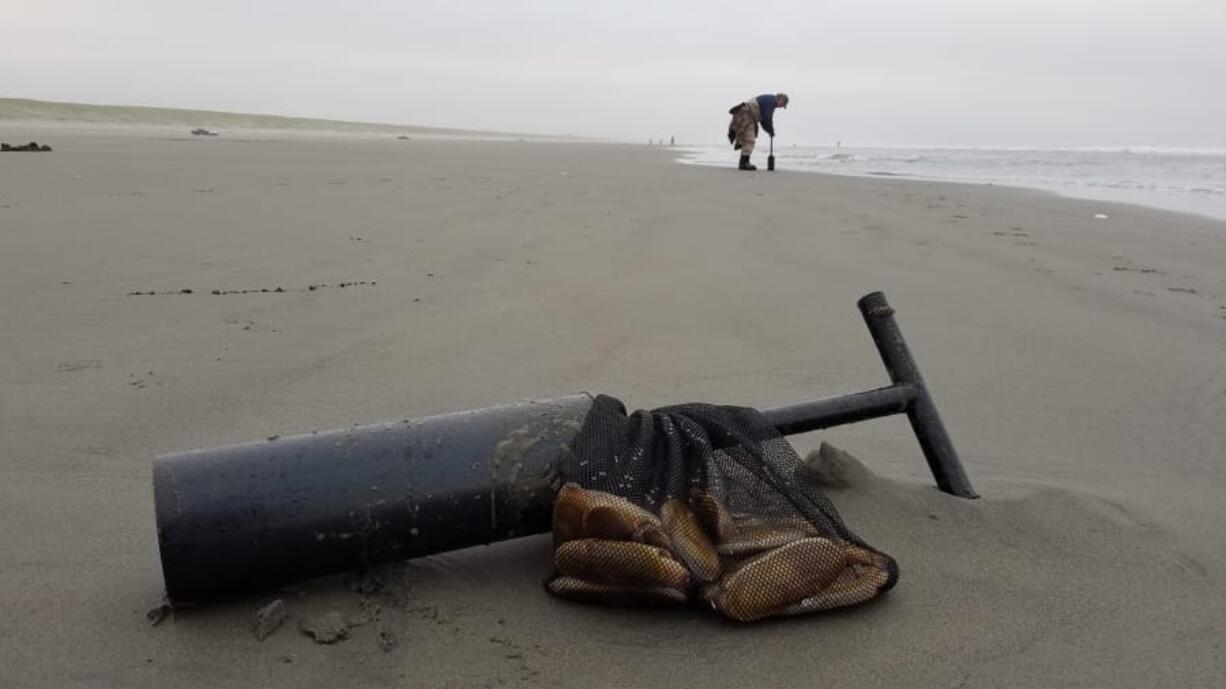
{"type": "Point", "coordinates": [782, 99]}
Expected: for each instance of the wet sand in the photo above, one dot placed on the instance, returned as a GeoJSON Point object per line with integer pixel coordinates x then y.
{"type": "Point", "coordinates": [1079, 363]}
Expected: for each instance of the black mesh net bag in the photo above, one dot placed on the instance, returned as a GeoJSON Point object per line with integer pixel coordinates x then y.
{"type": "Point", "coordinates": [706, 504]}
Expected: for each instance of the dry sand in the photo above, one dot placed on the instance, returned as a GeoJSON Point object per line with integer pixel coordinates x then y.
{"type": "Point", "coordinates": [1080, 365]}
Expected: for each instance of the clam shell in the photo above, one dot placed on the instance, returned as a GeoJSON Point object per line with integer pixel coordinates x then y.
{"type": "Point", "coordinates": [588, 592]}
{"type": "Point", "coordinates": [856, 584]}
{"type": "Point", "coordinates": [582, 513]}
{"type": "Point", "coordinates": [712, 514]}
{"type": "Point", "coordinates": [690, 541]}
{"type": "Point", "coordinates": [568, 510]}
{"type": "Point", "coordinates": [620, 563]}
{"type": "Point", "coordinates": [758, 534]}
{"type": "Point", "coordinates": [764, 584]}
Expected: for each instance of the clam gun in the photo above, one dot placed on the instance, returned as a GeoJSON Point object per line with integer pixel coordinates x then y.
{"type": "Point", "coordinates": [246, 518]}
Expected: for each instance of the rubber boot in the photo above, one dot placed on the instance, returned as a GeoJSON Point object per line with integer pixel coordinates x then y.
{"type": "Point", "coordinates": [744, 164]}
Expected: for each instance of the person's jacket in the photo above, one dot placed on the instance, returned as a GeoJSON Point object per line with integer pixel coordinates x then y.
{"type": "Point", "coordinates": [767, 103]}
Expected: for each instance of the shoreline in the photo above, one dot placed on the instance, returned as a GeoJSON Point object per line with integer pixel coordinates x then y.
{"type": "Point", "coordinates": [1077, 364]}
{"type": "Point", "coordinates": [1200, 204]}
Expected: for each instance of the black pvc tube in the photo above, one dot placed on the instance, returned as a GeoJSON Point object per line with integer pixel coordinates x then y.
{"type": "Point", "coordinates": [245, 518]}
{"type": "Point", "coordinates": [844, 409]}
{"type": "Point", "coordinates": [922, 413]}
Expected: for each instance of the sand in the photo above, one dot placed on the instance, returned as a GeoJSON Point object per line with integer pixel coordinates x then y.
{"type": "Point", "coordinates": [1079, 363]}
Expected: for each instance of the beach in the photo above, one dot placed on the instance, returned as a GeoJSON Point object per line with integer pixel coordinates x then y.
{"type": "Point", "coordinates": [164, 292]}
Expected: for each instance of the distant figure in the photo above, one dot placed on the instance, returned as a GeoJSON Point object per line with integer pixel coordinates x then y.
{"type": "Point", "coordinates": [743, 130]}
{"type": "Point", "coordinates": [672, 141]}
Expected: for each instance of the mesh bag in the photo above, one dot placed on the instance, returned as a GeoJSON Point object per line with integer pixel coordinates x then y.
{"type": "Point", "coordinates": [707, 504]}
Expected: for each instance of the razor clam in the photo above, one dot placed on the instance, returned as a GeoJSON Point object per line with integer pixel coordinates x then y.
{"type": "Point", "coordinates": [756, 534]}
{"type": "Point", "coordinates": [765, 583]}
{"type": "Point", "coordinates": [712, 514]}
{"type": "Point", "coordinates": [588, 592]}
{"type": "Point", "coordinates": [620, 563]}
{"type": "Point", "coordinates": [582, 513]}
{"type": "Point", "coordinates": [861, 580]}
{"type": "Point", "coordinates": [690, 541]}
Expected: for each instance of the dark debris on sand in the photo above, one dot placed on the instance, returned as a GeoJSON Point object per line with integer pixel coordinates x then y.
{"type": "Point", "coordinates": [260, 290]}
{"type": "Point", "coordinates": [32, 146]}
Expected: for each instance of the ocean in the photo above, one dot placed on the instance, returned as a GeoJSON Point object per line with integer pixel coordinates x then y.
{"type": "Point", "coordinates": [1186, 180]}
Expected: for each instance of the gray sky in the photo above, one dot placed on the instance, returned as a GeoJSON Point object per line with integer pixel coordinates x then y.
{"type": "Point", "coordinates": [937, 72]}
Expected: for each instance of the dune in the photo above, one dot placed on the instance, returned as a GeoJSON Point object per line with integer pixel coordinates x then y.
{"type": "Point", "coordinates": [26, 111]}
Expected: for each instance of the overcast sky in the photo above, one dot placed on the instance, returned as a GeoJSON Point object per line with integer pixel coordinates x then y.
{"type": "Point", "coordinates": [938, 72]}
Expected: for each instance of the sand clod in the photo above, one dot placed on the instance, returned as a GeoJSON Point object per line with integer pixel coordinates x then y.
{"type": "Point", "coordinates": [835, 469]}
{"type": "Point", "coordinates": [328, 628]}
{"type": "Point", "coordinates": [268, 619]}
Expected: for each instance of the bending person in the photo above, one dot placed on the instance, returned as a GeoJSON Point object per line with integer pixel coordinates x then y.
{"type": "Point", "coordinates": [743, 130]}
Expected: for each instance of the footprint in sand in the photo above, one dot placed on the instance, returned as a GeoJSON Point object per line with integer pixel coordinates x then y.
{"type": "Point", "coordinates": [247, 325]}
{"type": "Point", "coordinates": [1146, 271]}
{"type": "Point", "coordinates": [515, 653]}
{"type": "Point", "coordinates": [140, 382]}
{"type": "Point", "coordinates": [1189, 566]}
{"type": "Point", "coordinates": [71, 366]}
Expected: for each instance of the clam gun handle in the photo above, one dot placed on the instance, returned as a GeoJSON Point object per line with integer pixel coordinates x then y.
{"type": "Point", "coordinates": [246, 518]}
{"type": "Point", "coordinates": [908, 395]}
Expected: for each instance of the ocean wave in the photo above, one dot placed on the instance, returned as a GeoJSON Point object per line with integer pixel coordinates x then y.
{"type": "Point", "coordinates": [1143, 173]}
